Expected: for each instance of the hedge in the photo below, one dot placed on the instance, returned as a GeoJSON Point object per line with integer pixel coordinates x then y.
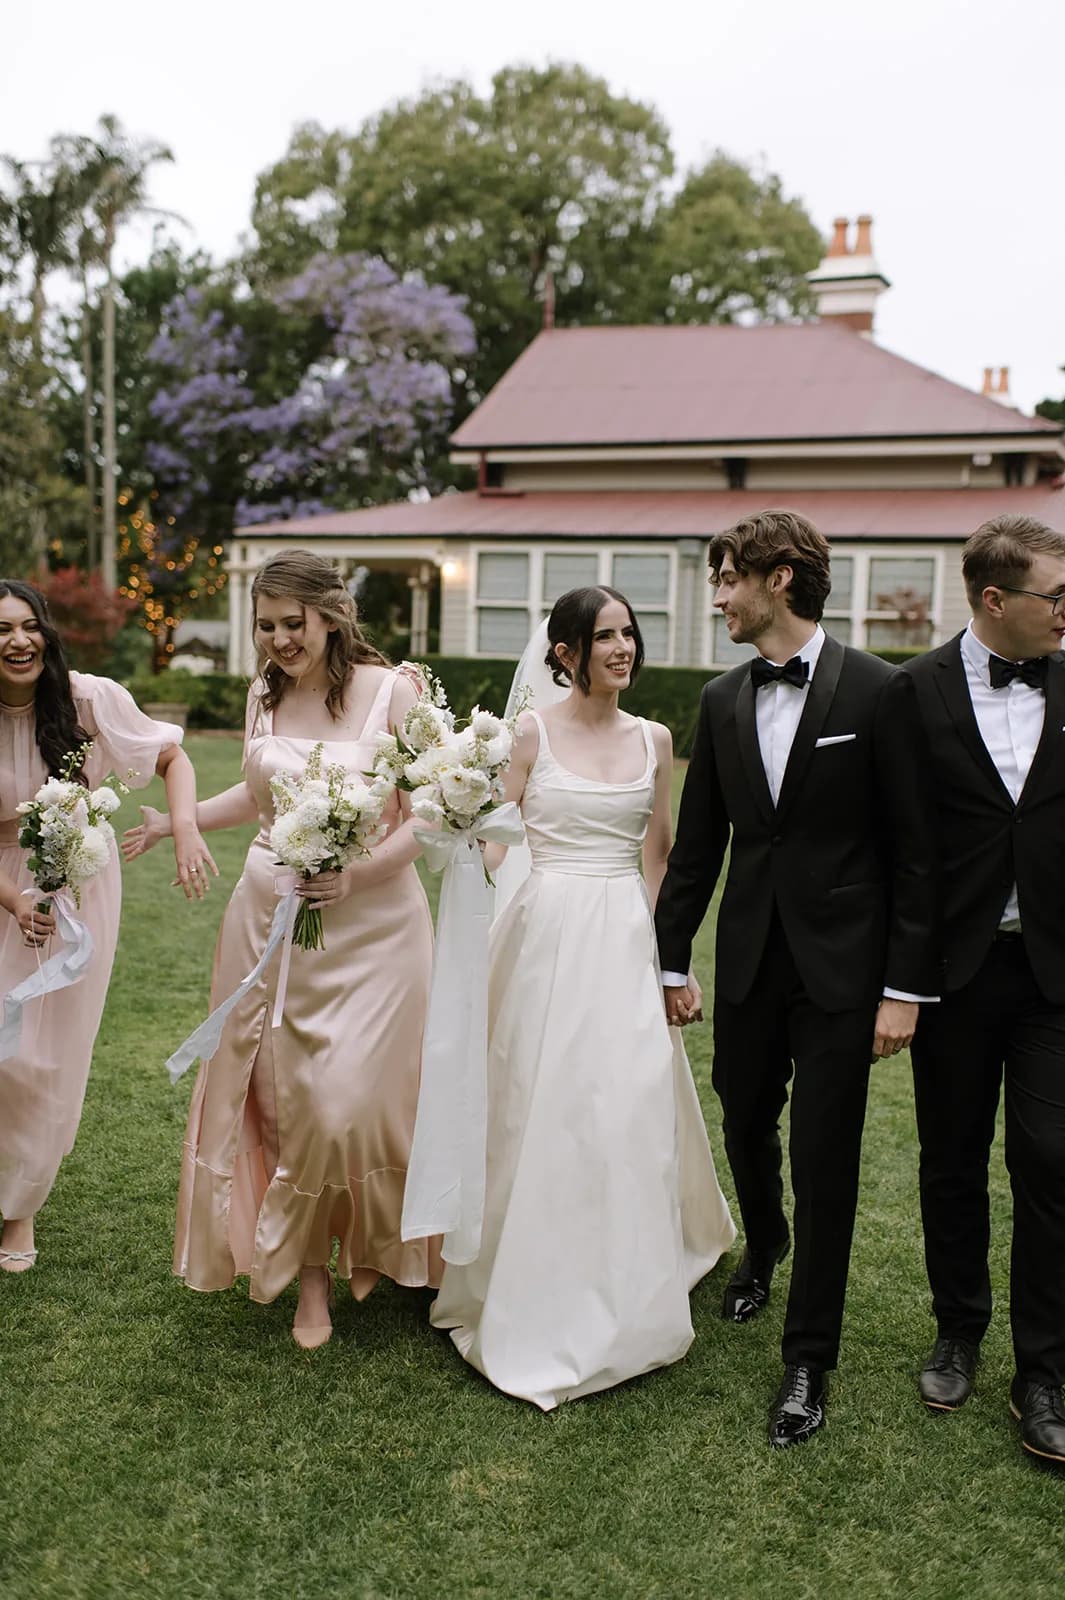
{"type": "Point", "coordinates": [663, 694]}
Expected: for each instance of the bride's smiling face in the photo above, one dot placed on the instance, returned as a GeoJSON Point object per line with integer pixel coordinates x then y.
{"type": "Point", "coordinates": [22, 647]}
{"type": "Point", "coordinates": [613, 649]}
{"type": "Point", "coordinates": [293, 636]}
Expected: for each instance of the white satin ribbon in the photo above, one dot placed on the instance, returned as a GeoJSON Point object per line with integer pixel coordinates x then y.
{"type": "Point", "coordinates": [204, 1040]}
{"type": "Point", "coordinates": [446, 1173]}
{"type": "Point", "coordinates": [66, 967]}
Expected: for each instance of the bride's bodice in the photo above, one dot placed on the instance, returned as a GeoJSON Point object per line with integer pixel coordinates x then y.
{"type": "Point", "coordinates": [582, 825]}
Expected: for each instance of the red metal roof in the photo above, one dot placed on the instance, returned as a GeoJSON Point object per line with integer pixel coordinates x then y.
{"type": "Point", "coordinates": [626, 386]}
{"type": "Point", "coordinates": [620, 514]}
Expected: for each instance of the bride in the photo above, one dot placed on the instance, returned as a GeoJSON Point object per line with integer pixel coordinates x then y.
{"type": "Point", "coordinates": [603, 1208]}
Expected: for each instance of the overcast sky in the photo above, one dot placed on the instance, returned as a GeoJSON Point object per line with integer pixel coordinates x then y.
{"type": "Point", "coordinates": [942, 118]}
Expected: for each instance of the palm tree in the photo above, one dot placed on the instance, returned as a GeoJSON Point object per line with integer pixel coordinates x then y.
{"type": "Point", "coordinates": [117, 174]}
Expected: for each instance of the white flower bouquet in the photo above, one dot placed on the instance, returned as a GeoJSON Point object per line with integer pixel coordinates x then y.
{"type": "Point", "coordinates": [325, 819]}
{"type": "Point", "coordinates": [66, 831]}
{"type": "Point", "coordinates": [454, 775]}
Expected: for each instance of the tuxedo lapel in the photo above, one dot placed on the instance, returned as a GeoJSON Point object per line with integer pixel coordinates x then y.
{"type": "Point", "coordinates": [953, 686]}
{"type": "Point", "coordinates": [1052, 739]}
{"type": "Point", "coordinates": [750, 752]}
{"type": "Point", "coordinates": [819, 698]}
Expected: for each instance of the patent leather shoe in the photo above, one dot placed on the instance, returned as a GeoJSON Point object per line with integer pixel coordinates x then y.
{"type": "Point", "coordinates": [747, 1291]}
{"type": "Point", "coordinates": [1040, 1410]}
{"type": "Point", "coordinates": [946, 1380]}
{"type": "Point", "coordinates": [799, 1408]}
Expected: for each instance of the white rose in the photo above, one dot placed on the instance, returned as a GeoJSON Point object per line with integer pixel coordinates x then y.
{"type": "Point", "coordinates": [424, 768]}
{"type": "Point", "coordinates": [464, 790]}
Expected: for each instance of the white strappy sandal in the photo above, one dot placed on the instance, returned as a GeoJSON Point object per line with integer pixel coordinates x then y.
{"type": "Point", "coordinates": [29, 1257]}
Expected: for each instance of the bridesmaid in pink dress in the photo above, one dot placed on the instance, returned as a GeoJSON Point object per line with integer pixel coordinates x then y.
{"type": "Point", "coordinates": [47, 711]}
{"type": "Point", "coordinates": [298, 1136]}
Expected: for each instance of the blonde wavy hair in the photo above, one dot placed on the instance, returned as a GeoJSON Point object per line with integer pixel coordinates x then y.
{"type": "Point", "coordinates": [313, 581]}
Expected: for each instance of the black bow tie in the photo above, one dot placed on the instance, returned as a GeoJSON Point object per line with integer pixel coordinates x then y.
{"type": "Point", "coordinates": [1033, 672]}
{"type": "Point", "coordinates": [796, 672]}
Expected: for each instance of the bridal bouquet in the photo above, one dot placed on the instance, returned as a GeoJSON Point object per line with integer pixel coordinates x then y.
{"type": "Point", "coordinates": [454, 775]}
{"type": "Point", "coordinates": [324, 820]}
{"type": "Point", "coordinates": [66, 831]}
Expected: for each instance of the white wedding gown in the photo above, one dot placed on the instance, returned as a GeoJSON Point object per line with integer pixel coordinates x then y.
{"type": "Point", "coordinates": [603, 1207]}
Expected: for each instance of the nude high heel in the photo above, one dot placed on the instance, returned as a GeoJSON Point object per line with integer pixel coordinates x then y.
{"type": "Point", "coordinates": [313, 1336]}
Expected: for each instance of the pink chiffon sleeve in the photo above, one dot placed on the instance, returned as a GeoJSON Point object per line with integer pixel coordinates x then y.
{"type": "Point", "coordinates": [125, 740]}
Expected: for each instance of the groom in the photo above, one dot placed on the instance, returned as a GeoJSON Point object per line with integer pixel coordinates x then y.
{"type": "Point", "coordinates": [809, 758]}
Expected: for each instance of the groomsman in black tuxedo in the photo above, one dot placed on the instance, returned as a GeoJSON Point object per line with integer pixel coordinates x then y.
{"type": "Point", "coordinates": [809, 757]}
{"type": "Point", "coordinates": [993, 705]}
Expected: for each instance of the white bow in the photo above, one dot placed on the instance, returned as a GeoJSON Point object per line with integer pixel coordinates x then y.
{"type": "Point", "coordinates": [66, 967]}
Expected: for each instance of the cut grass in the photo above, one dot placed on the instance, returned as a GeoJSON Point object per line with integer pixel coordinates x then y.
{"type": "Point", "coordinates": [161, 1443]}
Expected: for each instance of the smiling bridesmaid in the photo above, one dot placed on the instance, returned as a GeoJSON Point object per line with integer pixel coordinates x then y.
{"type": "Point", "coordinates": [46, 712]}
{"type": "Point", "coordinates": [298, 1135]}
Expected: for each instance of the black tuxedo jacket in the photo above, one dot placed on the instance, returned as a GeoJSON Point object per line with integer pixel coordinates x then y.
{"type": "Point", "coordinates": [985, 842]}
{"type": "Point", "coordinates": [846, 856]}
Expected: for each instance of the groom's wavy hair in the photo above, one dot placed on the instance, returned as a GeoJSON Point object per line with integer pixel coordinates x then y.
{"type": "Point", "coordinates": [572, 623]}
{"type": "Point", "coordinates": [774, 539]}
{"type": "Point", "coordinates": [311, 580]}
{"type": "Point", "coordinates": [58, 730]}
{"type": "Point", "coordinates": [999, 554]}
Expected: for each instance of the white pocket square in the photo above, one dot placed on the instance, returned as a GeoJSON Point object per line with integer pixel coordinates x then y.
{"type": "Point", "coordinates": [835, 738]}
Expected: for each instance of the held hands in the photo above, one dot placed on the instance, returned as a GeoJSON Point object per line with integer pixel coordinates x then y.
{"type": "Point", "coordinates": [895, 1024]}
{"type": "Point", "coordinates": [684, 1004]}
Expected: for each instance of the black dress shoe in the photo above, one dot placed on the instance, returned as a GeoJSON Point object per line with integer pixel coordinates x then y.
{"type": "Point", "coordinates": [799, 1408]}
{"type": "Point", "coordinates": [946, 1380]}
{"type": "Point", "coordinates": [1040, 1410]}
{"type": "Point", "coordinates": [748, 1289]}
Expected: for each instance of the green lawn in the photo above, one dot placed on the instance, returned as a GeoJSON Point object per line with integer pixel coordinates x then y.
{"type": "Point", "coordinates": [155, 1442]}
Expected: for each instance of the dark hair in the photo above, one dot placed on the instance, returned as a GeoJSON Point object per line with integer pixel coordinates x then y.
{"type": "Point", "coordinates": [572, 623]}
{"type": "Point", "coordinates": [58, 730]}
{"type": "Point", "coordinates": [312, 580]}
{"type": "Point", "coordinates": [779, 539]}
{"type": "Point", "coordinates": [1000, 552]}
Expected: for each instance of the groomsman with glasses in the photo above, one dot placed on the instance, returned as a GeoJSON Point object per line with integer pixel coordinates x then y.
{"type": "Point", "coordinates": [992, 702]}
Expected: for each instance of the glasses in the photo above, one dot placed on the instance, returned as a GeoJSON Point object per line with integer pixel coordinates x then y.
{"type": "Point", "coordinates": [1056, 600]}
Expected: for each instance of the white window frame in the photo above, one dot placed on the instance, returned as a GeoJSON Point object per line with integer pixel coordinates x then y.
{"type": "Point", "coordinates": [534, 604]}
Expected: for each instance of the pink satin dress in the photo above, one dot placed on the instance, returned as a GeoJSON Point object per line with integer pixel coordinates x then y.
{"type": "Point", "coordinates": [299, 1135]}
{"type": "Point", "coordinates": [42, 1087]}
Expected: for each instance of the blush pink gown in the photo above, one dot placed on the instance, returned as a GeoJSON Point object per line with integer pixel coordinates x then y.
{"type": "Point", "coordinates": [299, 1135]}
{"type": "Point", "coordinates": [42, 1087]}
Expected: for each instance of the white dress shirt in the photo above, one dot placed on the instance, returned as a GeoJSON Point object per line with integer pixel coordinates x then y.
{"type": "Point", "coordinates": [778, 709]}
{"type": "Point", "coordinates": [1010, 721]}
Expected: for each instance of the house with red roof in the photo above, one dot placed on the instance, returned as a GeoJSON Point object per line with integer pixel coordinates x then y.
{"type": "Point", "coordinates": [612, 455]}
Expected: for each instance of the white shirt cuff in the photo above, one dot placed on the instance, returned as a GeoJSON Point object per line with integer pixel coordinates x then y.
{"type": "Point", "coordinates": [915, 999]}
{"type": "Point", "coordinates": [674, 980]}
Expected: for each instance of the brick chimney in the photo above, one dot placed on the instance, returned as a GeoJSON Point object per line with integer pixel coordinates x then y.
{"type": "Point", "coordinates": [848, 282]}
{"type": "Point", "coordinates": [997, 387]}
